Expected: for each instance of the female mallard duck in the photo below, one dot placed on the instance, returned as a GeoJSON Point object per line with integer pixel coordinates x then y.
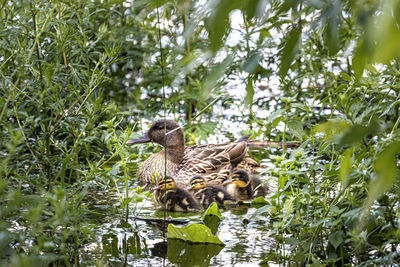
{"type": "Point", "coordinates": [244, 187]}
{"type": "Point", "coordinates": [208, 194]}
{"type": "Point", "coordinates": [214, 161]}
{"type": "Point", "coordinates": [173, 198]}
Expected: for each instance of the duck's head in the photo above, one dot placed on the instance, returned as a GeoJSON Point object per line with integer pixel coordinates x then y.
{"type": "Point", "coordinates": [165, 184]}
{"type": "Point", "coordinates": [240, 178]}
{"type": "Point", "coordinates": [197, 182]}
{"type": "Point", "coordinates": [156, 134]}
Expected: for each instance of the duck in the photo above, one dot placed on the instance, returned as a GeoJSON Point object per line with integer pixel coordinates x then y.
{"type": "Point", "coordinates": [212, 161]}
{"type": "Point", "coordinates": [243, 186]}
{"type": "Point", "coordinates": [207, 194]}
{"type": "Point", "coordinates": [173, 198]}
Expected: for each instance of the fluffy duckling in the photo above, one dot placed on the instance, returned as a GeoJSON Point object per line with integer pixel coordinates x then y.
{"type": "Point", "coordinates": [173, 198]}
{"type": "Point", "coordinates": [243, 186]}
{"type": "Point", "coordinates": [208, 194]}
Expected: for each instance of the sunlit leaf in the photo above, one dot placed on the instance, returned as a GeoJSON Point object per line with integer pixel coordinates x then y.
{"type": "Point", "coordinates": [259, 200]}
{"type": "Point", "coordinates": [360, 59]}
{"type": "Point", "coordinates": [345, 166]}
{"type": "Point", "coordinates": [196, 233]}
{"type": "Point", "coordinates": [212, 210]}
{"type": "Point", "coordinates": [332, 127]}
{"type": "Point", "coordinates": [387, 32]}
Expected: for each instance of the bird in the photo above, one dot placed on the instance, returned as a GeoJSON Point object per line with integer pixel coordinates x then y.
{"type": "Point", "coordinates": [173, 198]}
{"type": "Point", "coordinates": [243, 186]}
{"type": "Point", "coordinates": [212, 161]}
{"type": "Point", "coordinates": [207, 194]}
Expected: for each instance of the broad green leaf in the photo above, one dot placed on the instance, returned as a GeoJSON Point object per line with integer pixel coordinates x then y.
{"type": "Point", "coordinates": [386, 32]}
{"type": "Point", "coordinates": [332, 127]}
{"type": "Point", "coordinates": [251, 62]}
{"type": "Point", "coordinates": [336, 238]}
{"type": "Point", "coordinates": [212, 210]}
{"type": "Point", "coordinates": [386, 172]}
{"type": "Point", "coordinates": [211, 217]}
{"type": "Point", "coordinates": [289, 50]}
{"type": "Point", "coordinates": [258, 212]}
{"type": "Point", "coordinates": [195, 233]}
{"type": "Point", "coordinates": [296, 127]}
{"type": "Point", "coordinates": [214, 75]}
{"type": "Point", "coordinates": [259, 200]}
{"type": "Point", "coordinates": [218, 24]}
{"type": "Point", "coordinates": [345, 166]}
{"type": "Point", "coordinates": [360, 59]}
{"type": "Point", "coordinates": [356, 133]}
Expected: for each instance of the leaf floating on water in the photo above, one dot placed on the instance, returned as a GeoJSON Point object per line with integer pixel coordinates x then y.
{"type": "Point", "coordinates": [212, 210]}
{"type": "Point", "coordinates": [196, 233]}
{"type": "Point", "coordinates": [259, 200]}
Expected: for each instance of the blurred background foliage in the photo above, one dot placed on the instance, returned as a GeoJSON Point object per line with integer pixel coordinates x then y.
{"type": "Point", "coordinates": [78, 77]}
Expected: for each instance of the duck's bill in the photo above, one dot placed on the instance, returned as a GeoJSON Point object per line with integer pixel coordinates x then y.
{"type": "Point", "coordinates": [227, 181]}
{"type": "Point", "coordinates": [156, 187]}
{"type": "Point", "coordinates": [139, 140]}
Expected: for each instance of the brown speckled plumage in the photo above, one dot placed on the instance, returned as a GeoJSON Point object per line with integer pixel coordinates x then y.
{"type": "Point", "coordinates": [213, 161]}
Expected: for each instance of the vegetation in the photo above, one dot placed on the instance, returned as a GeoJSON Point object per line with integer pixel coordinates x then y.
{"type": "Point", "coordinates": [78, 77]}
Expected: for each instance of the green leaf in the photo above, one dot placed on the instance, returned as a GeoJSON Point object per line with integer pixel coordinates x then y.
{"type": "Point", "coordinates": [296, 127]}
{"type": "Point", "coordinates": [336, 238]}
{"type": "Point", "coordinates": [360, 59]}
{"type": "Point", "coordinates": [195, 233]}
{"type": "Point", "coordinates": [332, 127]}
{"type": "Point", "coordinates": [386, 172]}
{"type": "Point", "coordinates": [211, 217]}
{"type": "Point", "coordinates": [386, 32]}
{"type": "Point", "coordinates": [356, 133]}
{"type": "Point", "coordinates": [212, 210]}
{"type": "Point", "coordinates": [289, 50]}
{"type": "Point", "coordinates": [248, 100]}
{"type": "Point", "coordinates": [258, 212]}
{"type": "Point", "coordinates": [345, 166]}
{"type": "Point", "coordinates": [345, 76]}
{"type": "Point", "coordinates": [214, 75]}
{"type": "Point", "coordinates": [259, 200]}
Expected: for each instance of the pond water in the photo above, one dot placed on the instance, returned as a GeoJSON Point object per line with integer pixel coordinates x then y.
{"type": "Point", "coordinates": [142, 243]}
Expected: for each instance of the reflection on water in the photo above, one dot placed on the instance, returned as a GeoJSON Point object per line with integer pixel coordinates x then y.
{"type": "Point", "coordinates": [140, 243]}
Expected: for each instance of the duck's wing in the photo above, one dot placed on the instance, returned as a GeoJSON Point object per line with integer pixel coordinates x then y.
{"type": "Point", "coordinates": [212, 161]}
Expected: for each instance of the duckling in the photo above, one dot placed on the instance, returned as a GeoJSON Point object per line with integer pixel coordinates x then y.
{"type": "Point", "coordinates": [208, 194]}
{"type": "Point", "coordinates": [173, 198]}
{"type": "Point", "coordinates": [244, 187]}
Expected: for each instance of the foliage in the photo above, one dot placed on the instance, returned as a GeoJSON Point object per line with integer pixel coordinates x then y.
{"type": "Point", "coordinates": [195, 233]}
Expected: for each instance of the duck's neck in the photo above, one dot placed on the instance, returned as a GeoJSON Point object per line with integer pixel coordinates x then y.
{"type": "Point", "coordinates": [175, 153]}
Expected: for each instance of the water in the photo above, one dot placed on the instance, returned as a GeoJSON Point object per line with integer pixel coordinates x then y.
{"type": "Point", "coordinates": [139, 243]}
